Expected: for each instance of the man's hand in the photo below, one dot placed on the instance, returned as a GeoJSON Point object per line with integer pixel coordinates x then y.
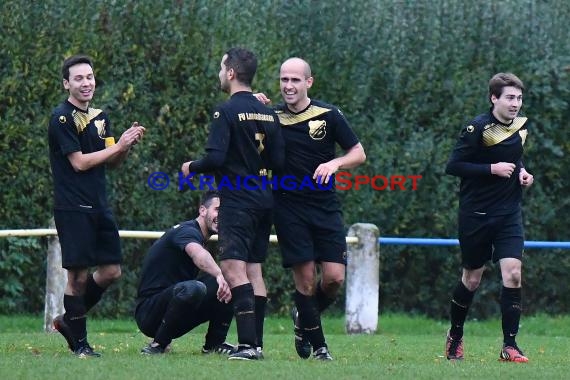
{"type": "Point", "coordinates": [262, 97]}
{"type": "Point", "coordinates": [503, 169]}
{"type": "Point", "coordinates": [141, 132]}
{"type": "Point", "coordinates": [324, 172]}
{"type": "Point", "coordinates": [131, 136]}
{"type": "Point", "coordinates": [526, 179]}
{"type": "Point", "coordinates": [224, 293]}
{"type": "Point", "coordinates": [186, 168]}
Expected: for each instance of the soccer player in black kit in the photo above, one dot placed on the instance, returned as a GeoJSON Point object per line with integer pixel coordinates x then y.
{"type": "Point", "coordinates": [244, 142]}
{"type": "Point", "coordinates": [488, 159]}
{"type": "Point", "coordinates": [81, 147]}
{"type": "Point", "coordinates": [308, 215]}
{"type": "Point", "coordinates": [182, 287]}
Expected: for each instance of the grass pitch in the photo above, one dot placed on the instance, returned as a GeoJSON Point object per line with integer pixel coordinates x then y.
{"type": "Point", "coordinates": [403, 348]}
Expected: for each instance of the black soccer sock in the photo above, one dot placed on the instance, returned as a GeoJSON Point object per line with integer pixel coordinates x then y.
{"type": "Point", "coordinates": [511, 309]}
{"type": "Point", "coordinates": [244, 311]}
{"type": "Point", "coordinates": [219, 324]}
{"type": "Point", "coordinates": [186, 298]}
{"type": "Point", "coordinates": [323, 301]}
{"type": "Point", "coordinates": [260, 303]}
{"type": "Point", "coordinates": [310, 319]}
{"type": "Point", "coordinates": [75, 316]}
{"type": "Point", "coordinates": [460, 302]}
{"type": "Point", "coordinates": [93, 293]}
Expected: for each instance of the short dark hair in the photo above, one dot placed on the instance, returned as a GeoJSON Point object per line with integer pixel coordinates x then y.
{"type": "Point", "coordinates": [244, 63]}
{"type": "Point", "coordinates": [501, 80]}
{"type": "Point", "coordinates": [208, 197]}
{"type": "Point", "coordinates": [72, 61]}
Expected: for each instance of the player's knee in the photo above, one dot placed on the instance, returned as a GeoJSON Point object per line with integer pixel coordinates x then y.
{"type": "Point", "coordinates": [305, 285]}
{"type": "Point", "coordinates": [190, 291]}
{"type": "Point", "coordinates": [513, 278]}
{"type": "Point", "coordinates": [331, 285]}
{"type": "Point", "coordinates": [472, 283]}
{"type": "Point", "coordinates": [76, 286]}
{"type": "Point", "coordinates": [234, 272]}
{"type": "Point", "coordinates": [115, 273]}
{"type": "Point", "coordinates": [305, 289]}
{"type": "Point", "coordinates": [109, 275]}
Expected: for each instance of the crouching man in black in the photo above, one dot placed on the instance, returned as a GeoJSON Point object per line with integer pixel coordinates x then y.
{"type": "Point", "coordinates": [182, 287]}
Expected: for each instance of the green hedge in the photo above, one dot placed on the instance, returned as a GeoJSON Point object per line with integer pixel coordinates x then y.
{"type": "Point", "coordinates": [407, 75]}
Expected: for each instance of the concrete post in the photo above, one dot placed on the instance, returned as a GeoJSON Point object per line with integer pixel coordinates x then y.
{"type": "Point", "coordinates": [56, 280]}
{"type": "Point", "coordinates": [362, 280]}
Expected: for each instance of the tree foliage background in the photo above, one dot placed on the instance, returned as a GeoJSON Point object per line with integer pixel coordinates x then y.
{"type": "Point", "coordinates": [407, 74]}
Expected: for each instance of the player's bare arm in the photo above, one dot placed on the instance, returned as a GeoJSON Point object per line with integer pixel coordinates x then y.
{"type": "Point", "coordinates": [205, 262]}
{"type": "Point", "coordinates": [83, 162]}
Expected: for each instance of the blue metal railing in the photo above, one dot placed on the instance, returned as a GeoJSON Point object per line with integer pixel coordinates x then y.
{"type": "Point", "coordinates": [450, 242]}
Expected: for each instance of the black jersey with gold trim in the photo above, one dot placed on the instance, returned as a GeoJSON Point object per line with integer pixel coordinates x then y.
{"type": "Point", "coordinates": [483, 142]}
{"type": "Point", "coordinates": [72, 129]}
{"type": "Point", "coordinates": [244, 143]}
{"type": "Point", "coordinates": [310, 140]}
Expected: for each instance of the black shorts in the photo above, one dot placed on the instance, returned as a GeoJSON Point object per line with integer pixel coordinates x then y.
{"type": "Point", "coordinates": [244, 234]}
{"type": "Point", "coordinates": [308, 233]}
{"type": "Point", "coordinates": [88, 239]}
{"type": "Point", "coordinates": [483, 238]}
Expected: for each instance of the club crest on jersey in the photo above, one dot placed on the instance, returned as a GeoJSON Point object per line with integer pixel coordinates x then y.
{"type": "Point", "coordinates": [523, 134]}
{"type": "Point", "coordinates": [62, 119]}
{"type": "Point", "coordinates": [216, 115]}
{"type": "Point", "coordinates": [317, 129]}
{"type": "Point", "coordinates": [100, 125]}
